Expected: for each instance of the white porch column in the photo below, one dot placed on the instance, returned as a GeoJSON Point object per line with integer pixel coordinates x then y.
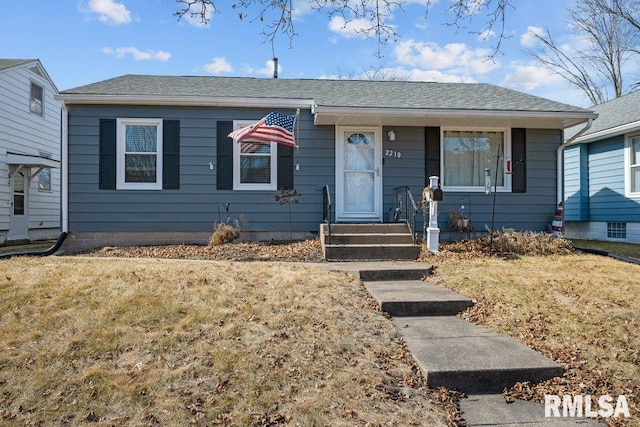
{"type": "Point", "coordinates": [433, 232]}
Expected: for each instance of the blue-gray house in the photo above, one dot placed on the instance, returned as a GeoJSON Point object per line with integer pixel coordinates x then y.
{"type": "Point", "coordinates": [602, 174]}
{"type": "Point", "coordinates": [148, 159]}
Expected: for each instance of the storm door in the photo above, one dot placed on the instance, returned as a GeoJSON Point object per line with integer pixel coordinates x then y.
{"type": "Point", "coordinates": [359, 175]}
{"type": "Point", "coordinates": [18, 219]}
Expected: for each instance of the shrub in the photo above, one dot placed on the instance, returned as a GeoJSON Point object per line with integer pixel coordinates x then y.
{"type": "Point", "coordinates": [223, 233]}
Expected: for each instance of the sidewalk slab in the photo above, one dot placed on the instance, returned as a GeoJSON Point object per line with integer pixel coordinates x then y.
{"type": "Point", "coordinates": [493, 410]}
{"type": "Point", "coordinates": [417, 298]}
{"type": "Point", "coordinates": [455, 354]}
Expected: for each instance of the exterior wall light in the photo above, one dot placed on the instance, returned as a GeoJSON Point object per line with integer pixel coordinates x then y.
{"type": "Point", "coordinates": [392, 136]}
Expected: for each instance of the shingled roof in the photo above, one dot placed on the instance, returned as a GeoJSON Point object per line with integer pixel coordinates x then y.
{"type": "Point", "coordinates": [6, 63]}
{"type": "Point", "coordinates": [344, 93]}
{"type": "Point", "coordinates": [616, 117]}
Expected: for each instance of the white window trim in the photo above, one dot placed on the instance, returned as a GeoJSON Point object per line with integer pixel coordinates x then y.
{"type": "Point", "coordinates": [120, 151]}
{"type": "Point", "coordinates": [506, 188]}
{"type": "Point", "coordinates": [237, 185]}
{"type": "Point", "coordinates": [627, 166]}
{"type": "Point", "coordinates": [40, 175]}
{"type": "Point", "coordinates": [34, 83]}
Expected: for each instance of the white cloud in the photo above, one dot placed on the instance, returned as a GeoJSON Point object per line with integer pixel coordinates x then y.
{"type": "Point", "coordinates": [453, 58]}
{"type": "Point", "coordinates": [529, 76]}
{"type": "Point", "coordinates": [529, 39]}
{"type": "Point", "coordinates": [350, 29]}
{"type": "Point", "coordinates": [267, 70]}
{"type": "Point", "coordinates": [137, 54]}
{"type": "Point", "coordinates": [110, 12]}
{"type": "Point", "coordinates": [218, 65]}
{"type": "Point", "coordinates": [486, 34]}
{"type": "Point", "coordinates": [196, 20]}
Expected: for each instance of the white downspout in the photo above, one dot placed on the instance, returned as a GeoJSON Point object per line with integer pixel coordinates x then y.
{"type": "Point", "coordinates": [560, 192]}
{"type": "Point", "coordinates": [64, 199]}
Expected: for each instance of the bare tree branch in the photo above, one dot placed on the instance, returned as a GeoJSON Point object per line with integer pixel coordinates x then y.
{"type": "Point", "coordinates": [607, 43]}
{"type": "Point", "coordinates": [373, 18]}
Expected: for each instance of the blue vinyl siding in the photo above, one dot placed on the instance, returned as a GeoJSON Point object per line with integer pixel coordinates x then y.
{"type": "Point", "coordinates": [607, 201]}
{"type": "Point", "coordinates": [195, 205]}
{"type": "Point", "coordinates": [576, 184]}
{"type": "Point", "coordinates": [532, 210]}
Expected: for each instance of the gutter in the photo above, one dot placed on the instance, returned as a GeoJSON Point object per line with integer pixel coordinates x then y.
{"type": "Point", "coordinates": [183, 100]}
{"type": "Point", "coordinates": [559, 160]}
{"type": "Point", "coordinates": [64, 190]}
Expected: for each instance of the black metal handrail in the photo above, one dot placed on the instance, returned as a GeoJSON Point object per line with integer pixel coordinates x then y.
{"type": "Point", "coordinates": [406, 209]}
{"type": "Point", "coordinates": [326, 211]}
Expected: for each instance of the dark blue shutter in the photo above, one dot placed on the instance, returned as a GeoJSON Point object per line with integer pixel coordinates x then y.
{"type": "Point", "coordinates": [171, 154]}
{"type": "Point", "coordinates": [518, 160]}
{"type": "Point", "coordinates": [224, 149]}
{"type": "Point", "coordinates": [107, 155]}
{"type": "Point", "coordinates": [432, 153]}
{"type": "Point", "coordinates": [285, 167]}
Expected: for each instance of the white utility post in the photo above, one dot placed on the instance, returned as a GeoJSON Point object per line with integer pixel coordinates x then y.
{"type": "Point", "coordinates": [433, 232]}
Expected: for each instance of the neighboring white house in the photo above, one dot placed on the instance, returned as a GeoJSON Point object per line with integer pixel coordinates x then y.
{"type": "Point", "coordinates": [30, 126]}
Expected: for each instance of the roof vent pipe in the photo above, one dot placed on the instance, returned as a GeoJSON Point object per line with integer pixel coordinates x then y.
{"type": "Point", "coordinates": [275, 68]}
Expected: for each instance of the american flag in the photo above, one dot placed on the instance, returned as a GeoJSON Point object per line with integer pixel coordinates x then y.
{"type": "Point", "coordinates": [274, 127]}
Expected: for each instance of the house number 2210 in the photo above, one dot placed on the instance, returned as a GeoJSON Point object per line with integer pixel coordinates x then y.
{"type": "Point", "coordinates": [392, 153]}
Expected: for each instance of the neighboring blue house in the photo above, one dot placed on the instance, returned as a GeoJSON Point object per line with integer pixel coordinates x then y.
{"type": "Point", "coordinates": [602, 175]}
{"type": "Point", "coordinates": [148, 158]}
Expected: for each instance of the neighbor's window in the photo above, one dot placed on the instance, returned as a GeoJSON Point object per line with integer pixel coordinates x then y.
{"type": "Point", "coordinates": [634, 164]}
{"type": "Point", "coordinates": [36, 103]}
{"type": "Point", "coordinates": [255, 163]}
{"type": "Point", "coordinates": [467, 153]}
{"type": "Point", "coordinates": [616, 230]}
{"type": "Point", "coordinates": [139, 154]}
{"type": "Point", "coordinates": [44, 180]}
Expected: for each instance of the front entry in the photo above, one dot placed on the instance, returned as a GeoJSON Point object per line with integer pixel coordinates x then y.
{"type": "Point", "coordinates": [18, 219]}
{"type": "Point", "coordinates": [358, 174]}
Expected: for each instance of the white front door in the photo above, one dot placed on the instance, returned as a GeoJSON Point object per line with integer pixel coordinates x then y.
{"type": "Point", "coordinates": [18, 218]}
{"type": "Point", "coordinates": [359, 174]}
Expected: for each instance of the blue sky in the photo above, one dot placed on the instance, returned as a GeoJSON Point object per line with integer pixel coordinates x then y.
{"type": "Point", "coordinates": [84, 41]}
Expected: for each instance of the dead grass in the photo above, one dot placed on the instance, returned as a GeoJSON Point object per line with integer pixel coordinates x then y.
{"type": "Point", "coordinates": [164, 342]}
{"type": "Point", "coordinates": [631, 250]}
{"type": "Point", "coordinates": [579, 309]}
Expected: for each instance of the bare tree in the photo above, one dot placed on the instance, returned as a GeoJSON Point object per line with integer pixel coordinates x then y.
{"type": "Point", "coordinates": [373, 16]}
{"type": "Point", "coordinates": [373, 73]}
{"type": "Point", "coordinates": [606, 43]}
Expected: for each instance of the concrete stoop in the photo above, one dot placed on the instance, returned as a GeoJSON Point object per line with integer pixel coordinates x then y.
{"type": "Point", "coordinates": [357, 242]}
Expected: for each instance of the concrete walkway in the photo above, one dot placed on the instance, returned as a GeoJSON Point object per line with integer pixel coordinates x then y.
{"type": "Point", "coordinates": [453, 353]}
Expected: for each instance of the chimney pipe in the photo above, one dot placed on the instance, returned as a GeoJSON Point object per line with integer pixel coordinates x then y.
{"type": "Point", "coordinates": [275, 68]}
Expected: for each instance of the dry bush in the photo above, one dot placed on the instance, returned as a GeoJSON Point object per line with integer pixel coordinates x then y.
{"type": "Point", "coordinates": [508, 243]}
{"type": "Point", "coordinates": [223, 233]}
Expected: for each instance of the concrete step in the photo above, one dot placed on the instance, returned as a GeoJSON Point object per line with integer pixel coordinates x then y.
{"type": "Point", "coordinates": [455, 354]}
{"type": "Point", "coordinates": [396, 273]}
{"type": "Point", "coordinates": [371, 252]}
{"type": "Point", "coordinates": [371, 238]}
{"type": "Point", "coordinates": [394, 227]}
{"type": "Point", "coordinates": [417, 298]}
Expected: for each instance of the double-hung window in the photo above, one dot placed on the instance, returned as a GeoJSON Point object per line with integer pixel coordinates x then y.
{"type": "Point", "coordinates": [139, 154]}
{"type": "Point", "coordinates": [633, 171]}
{"type": "Point", "coordinates": [36, 101]}
{"type": "Point", "coordinates": [467, 155]}
{"type": "Point", "coordinates": [255, 163]}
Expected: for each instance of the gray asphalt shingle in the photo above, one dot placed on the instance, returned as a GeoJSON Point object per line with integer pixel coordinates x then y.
{"type": "Point", "coordinates": [331, 93]}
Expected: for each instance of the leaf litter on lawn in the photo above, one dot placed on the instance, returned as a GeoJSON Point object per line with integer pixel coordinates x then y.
{"type": "Point", "coordinates": [167, 342]}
